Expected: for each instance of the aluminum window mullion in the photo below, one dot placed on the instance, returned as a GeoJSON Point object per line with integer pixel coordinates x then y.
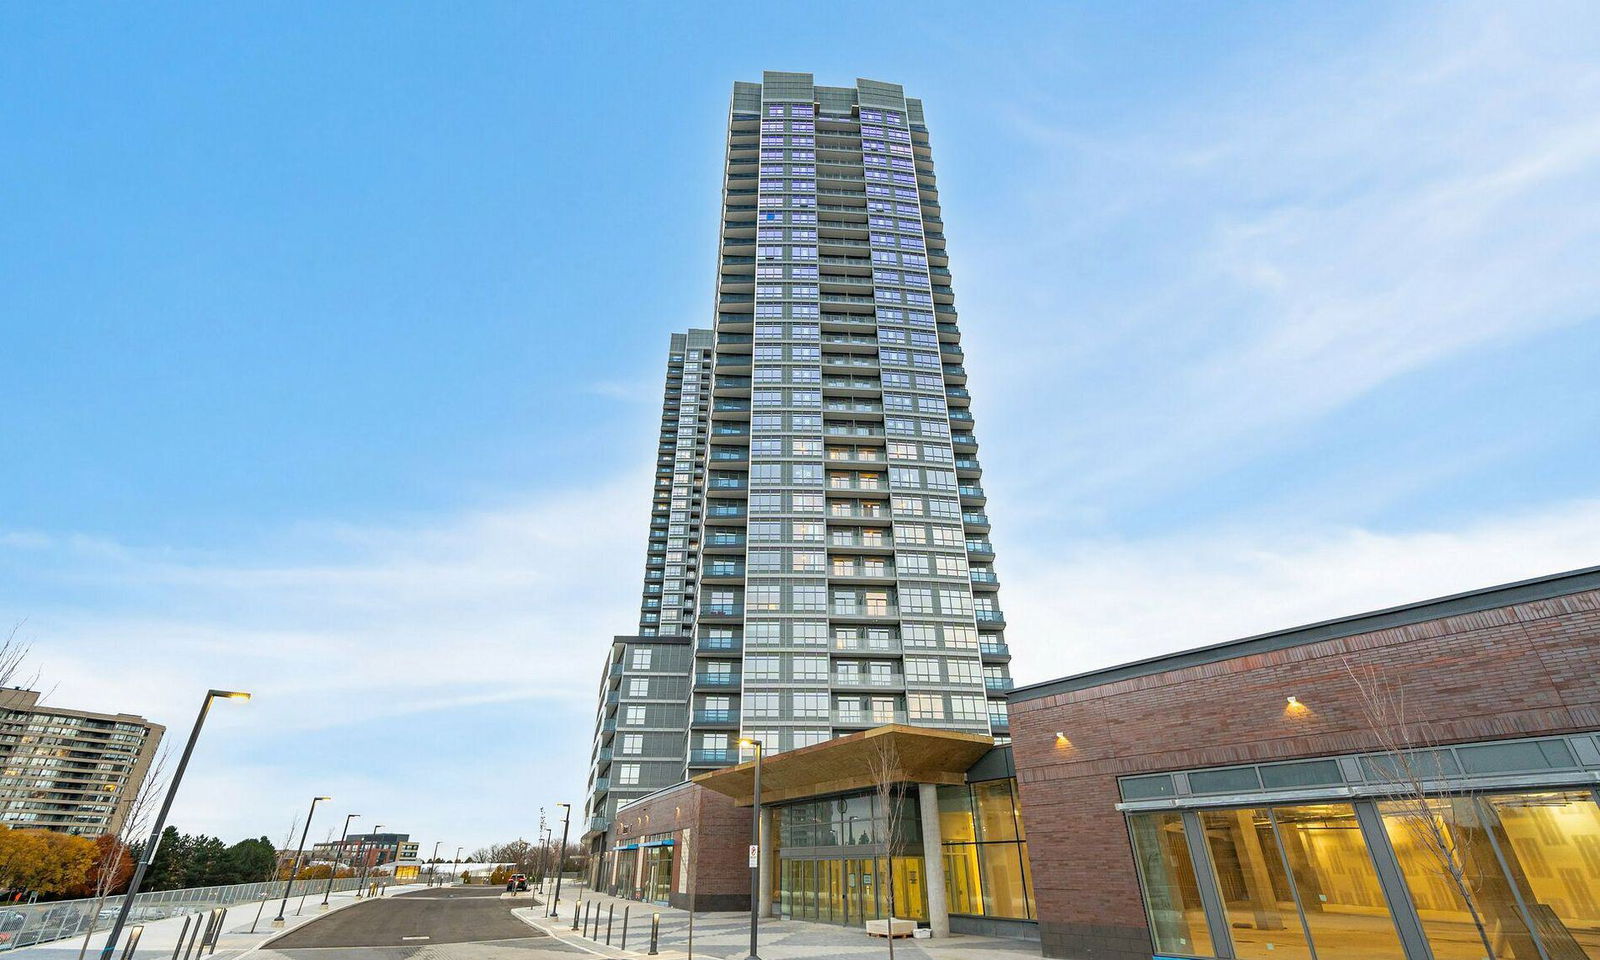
{"type": "Point", "coordinates": [1205, 876]}
{"type": "Point", "coordinates": [1294, 887]}
{"type": "Point", "coordinates": [1393, 884]}
{"type": "Point", "coordinates": [1491, 820]}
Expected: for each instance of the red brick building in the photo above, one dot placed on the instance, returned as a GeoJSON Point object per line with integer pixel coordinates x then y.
{"type": "Point", "coordinates": [1519, 662]}
{"type": "Point", "coordinates": [679, 842]}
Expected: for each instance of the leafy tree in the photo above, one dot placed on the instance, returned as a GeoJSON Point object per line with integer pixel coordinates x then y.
{"type": "Point", "coordinates": [170, 863]}
{"type": "Point", "coordinates": [252, 860]}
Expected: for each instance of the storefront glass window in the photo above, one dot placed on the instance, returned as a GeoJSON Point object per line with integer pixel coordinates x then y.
{"type": "Point", "coordinates": [1339, 891]}
{"type": "Point", "coordinates": [1171, 892]}
{"type": "Point", "coordinates": [1466, 906]}
{"type": "Point", "coordinates": [986, 867]}
{"type": "Point", "coordinates": [1551, 842]}
{"type": "Point", "coordinates": [1254, 886]}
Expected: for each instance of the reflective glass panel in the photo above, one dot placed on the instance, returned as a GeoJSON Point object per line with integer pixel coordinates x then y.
{"type": "Point", "coordinates": [997, 817]}
{"type": "Point", "coordinates": [1462, 897]}
{"type": "Point", "coordinates": [1254, 886]}
{"type": "Point", "coordinates": [1338, 886]}
{"type": "Point", "coordinates": [1171, 893]}
{"type": "Point", "coordinates": [1551, 842]}
{"type": "Point", "coordinates": [1004, 894]}
{"type": "Point", "coordinates": [963, 891]}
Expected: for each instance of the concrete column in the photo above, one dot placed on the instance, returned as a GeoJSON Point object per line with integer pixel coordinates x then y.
{"type": "Point", "coordinates": [933, 860]}
{"type": "Point", "coordinates": [769, 823]}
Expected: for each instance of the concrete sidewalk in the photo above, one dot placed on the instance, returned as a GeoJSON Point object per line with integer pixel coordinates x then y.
{"type": "Point", "coordinates": [159, 940]}
{"type": "Point", "coordinates": [726, 936]}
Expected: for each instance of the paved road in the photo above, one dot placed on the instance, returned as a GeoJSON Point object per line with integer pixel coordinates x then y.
{"type": "Point", "coordinates": [451, 922]}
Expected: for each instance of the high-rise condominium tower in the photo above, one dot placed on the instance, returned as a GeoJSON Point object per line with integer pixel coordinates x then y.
{"type": "Point", "coordinates": [819, 560]}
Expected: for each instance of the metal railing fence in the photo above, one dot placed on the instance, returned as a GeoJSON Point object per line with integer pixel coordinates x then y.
{"type": "Point", "coordinates": [25, 924]}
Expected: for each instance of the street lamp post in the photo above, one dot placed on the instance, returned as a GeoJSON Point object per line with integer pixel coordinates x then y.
{"type": "Point", "coordinates": [561, 856]}
{"type": "Point", "coordinates": [339, 855]}
{"type": "Point", "coordinates": [161, 818]}
{"type": "Point", "coordinates": [369, 856]}
{"type": "Point", "coordinates": [544, 852]}
{"type": "Point", "coordinates": [455, 865]}
{"type": "Point", "coordinates": [294, 866]}
{"type": "Point", "coordinates": [433, 862]}
{"type": "Point", "coordinates": [755, 848]}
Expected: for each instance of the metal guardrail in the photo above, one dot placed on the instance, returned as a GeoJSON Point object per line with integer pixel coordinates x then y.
{"type": "Point", "coordinates": [25, 924]}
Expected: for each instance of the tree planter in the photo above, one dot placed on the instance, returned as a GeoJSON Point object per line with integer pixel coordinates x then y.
{"type": "Point", "coordinates": [891, 928]}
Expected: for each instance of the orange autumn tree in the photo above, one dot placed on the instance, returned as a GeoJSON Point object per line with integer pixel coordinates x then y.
{"type": "Point", "coordinates": [43, 862]}
{"type": "Point", "coordinates": [111, 870]}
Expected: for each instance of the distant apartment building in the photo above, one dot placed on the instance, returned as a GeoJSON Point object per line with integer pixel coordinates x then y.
{"type": "Point", "coordinates": [371, 849]}
{"type": "Point", "coordinates": [72, 771]}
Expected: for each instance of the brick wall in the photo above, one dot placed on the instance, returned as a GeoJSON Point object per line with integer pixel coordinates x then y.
{"type": "Point", "coordinates": [1521, 670]}
{"type": "Point", "coordinates": [713, 831]}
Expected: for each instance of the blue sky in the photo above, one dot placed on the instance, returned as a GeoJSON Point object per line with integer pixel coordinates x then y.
{"type": "Point", "coordinates": [334, 335]}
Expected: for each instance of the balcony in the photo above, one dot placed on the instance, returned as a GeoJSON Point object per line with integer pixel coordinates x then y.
{"type": "Point", "coordinates": [998, 683]}
{"type": "Point", "coordinates": [716, 681]}
{"type": "Point", "coordinates": [599, 824]}
{"type": "Point", "coordinates": [866, 645]}
{"type": "Point", "coordinates": [980, 548]}
{"type": "Point", "coordinates": [721, 610]}
{"type": "Point", "coordinates": [867, 718]}
{"type": "Point", "coordinates": [842, 538]}
{"type": "Point", "coordinates": [863, 680]}
{"type": "Point", "coordinates": [990, 616]}
{"type": "Point", "coordinates": [601, 785]}
{"type": "Point", "coordinates": [712, 758]}
{"type": "Point", "coordinates": [994, 649]}
{"type": "Point", "coordinates": [879, 571]}
{"type": "Point", "coordinates": [984, 576]}
{"type": "Point", "coordinates": [716, 718]}
{"type": "Point", "coordinates": [869, 610]}
{"type": "Point", "coordinates": [718, 644]}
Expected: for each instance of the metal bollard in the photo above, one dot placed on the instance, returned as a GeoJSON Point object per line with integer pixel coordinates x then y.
{"type": "Point", "coordinates": [182, 934]}
{"type": "Point", "coordinates": [624, 944]}
{"type": "Point", "coordinates": [133, 942]}
{"type": "Point", "coordinates": [193, 938]}
{"type": "Point", "coordinates": [222, 920]}
{"type": "Point", "coordinates": [577, 908]}
{"type": "Point", "coordinates": [611, 914]}
{"type": "Point", "coordinates": [655, 933]}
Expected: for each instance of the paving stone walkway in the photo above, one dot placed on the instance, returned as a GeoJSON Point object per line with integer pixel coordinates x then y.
{"type": "Point", "coordinates": [726, 936]}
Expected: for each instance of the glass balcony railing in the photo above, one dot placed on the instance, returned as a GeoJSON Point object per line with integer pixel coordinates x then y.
{"type": "Point", "coordinates": [716, 679]}
{"type": "Point", "coordinates": [716, 716]}
{"type": "Point", "coordinates": [990, 648]}
{"type": "Point", "coordinates": [998, 683]}
{"type": "Point", "coordinates": [990, 616]}
{"type": "Point", "coordinates": [709, 757]}
{"type": "Point", "coordinates": [867, 718]}
{"type": "Point", "coordinates": [846, 609]}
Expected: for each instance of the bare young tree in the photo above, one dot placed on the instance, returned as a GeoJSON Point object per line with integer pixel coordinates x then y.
{"type": "Point", "coordinates": [135, 825]}
{"type": "Point", "coordinates": [886, 772]}
{"type": "Point", "coordinates": [1420, 799]}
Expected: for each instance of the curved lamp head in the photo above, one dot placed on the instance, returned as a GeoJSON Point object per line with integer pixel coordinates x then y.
{"type": "Point", "coordinates": [229, 695]}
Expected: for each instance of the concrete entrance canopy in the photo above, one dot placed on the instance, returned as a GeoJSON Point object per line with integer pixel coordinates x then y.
{"type": "Point", "coordinates": [836, 766]}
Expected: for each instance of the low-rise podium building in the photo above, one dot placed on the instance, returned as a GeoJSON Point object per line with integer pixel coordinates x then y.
{"type": "Point", "coordinates": [1416, 783]}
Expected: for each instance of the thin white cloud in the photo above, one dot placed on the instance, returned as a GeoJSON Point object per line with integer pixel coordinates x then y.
{"type": "Point", "coordinates": [1290, 246]}
{"type": "Point", "coordinates": [335, 610]}
{"type": "Point", "coordinates": [1103, 602]}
